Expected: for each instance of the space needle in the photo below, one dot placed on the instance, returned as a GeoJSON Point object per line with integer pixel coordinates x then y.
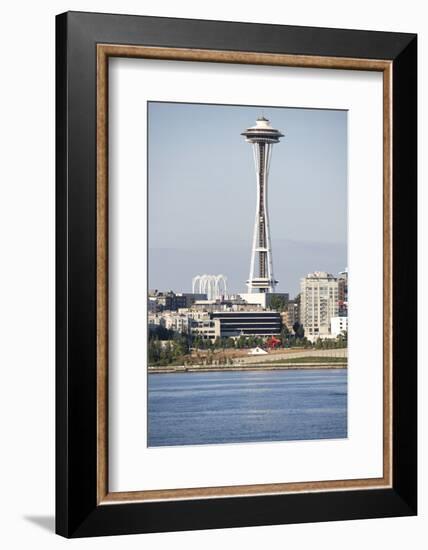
{"type": "Point", "coordinates": [262, 136]}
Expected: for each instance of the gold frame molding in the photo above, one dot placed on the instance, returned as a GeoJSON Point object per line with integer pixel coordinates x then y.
{"type": "Point", "coordinates": [104, 52]}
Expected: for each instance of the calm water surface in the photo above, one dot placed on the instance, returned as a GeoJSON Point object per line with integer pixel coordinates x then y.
{"type": "Point", "coordinates": [234, 407]}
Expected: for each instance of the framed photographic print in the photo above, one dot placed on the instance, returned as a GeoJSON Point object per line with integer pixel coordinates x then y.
{"type": "Point", "coordinates": [236, 249]}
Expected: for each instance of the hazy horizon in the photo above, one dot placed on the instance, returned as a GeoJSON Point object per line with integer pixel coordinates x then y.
{"type": "Point", "coordinates": [202, 194]}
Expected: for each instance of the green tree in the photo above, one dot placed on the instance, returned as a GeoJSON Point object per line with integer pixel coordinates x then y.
{"type": "Point", "coordinates": [285, 336]}
{"type": "Point", "coordinates": [279, 303]}
{"type": "Point", "coordinates": [240, 343]}
{"type": "Point", "coordinates": [154, 351]}
{"type": "Point", "coordinates": [298, 329]}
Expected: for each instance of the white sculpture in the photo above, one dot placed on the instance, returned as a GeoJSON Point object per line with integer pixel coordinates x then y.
{"type": "Point", "coordinates": [214, 286]}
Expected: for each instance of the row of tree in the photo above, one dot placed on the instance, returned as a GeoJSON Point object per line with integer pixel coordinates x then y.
{"type": "Point", "coordinates": [166, 347]}
{"type": "Point", "coordinates": [327, 343]}
{"type": "Point", "coordinates": [242, 342]}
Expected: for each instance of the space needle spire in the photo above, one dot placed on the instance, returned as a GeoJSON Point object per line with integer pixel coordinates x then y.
{"type": "Point", "coordinates": [262, 136]}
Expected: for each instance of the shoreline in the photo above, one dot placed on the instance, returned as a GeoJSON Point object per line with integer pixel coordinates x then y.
{"type": "Point", "coordinates": [169, 369]}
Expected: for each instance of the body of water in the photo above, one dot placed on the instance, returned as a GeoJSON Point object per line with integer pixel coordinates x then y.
{"type": "Point", "coordinates": [238, 407]}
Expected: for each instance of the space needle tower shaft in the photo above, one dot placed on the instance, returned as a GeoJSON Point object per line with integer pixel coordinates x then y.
{"type": "Point", "coordinates": [262, 137]}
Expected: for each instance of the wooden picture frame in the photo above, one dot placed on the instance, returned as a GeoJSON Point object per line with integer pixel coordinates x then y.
{"type": "Point", "coordinates": [85, 42]}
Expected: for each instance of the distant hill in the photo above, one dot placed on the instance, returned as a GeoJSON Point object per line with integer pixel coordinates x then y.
{"type": "Point", "coordinates": [174, 268]}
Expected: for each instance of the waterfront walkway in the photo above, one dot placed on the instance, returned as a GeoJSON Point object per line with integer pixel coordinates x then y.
{"type": "Point", "coordinates": [291, 354]}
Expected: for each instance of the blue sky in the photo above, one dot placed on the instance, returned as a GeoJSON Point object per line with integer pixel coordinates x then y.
{"type": "Point", "coordinates": [202, 193]}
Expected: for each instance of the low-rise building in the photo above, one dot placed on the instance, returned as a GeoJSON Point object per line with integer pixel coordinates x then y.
{"type": "Point", "coordinates": [225, 323]}
{"type": "Point", "coordinates": [207, 329]}
{"type": "Point", "coordinates": [170, 301]}
{"type": "Point", "coordinates": [187, 299]}
{"type": "Point", "coordinates": [177, 322]}
{"type": "Point", "coordinates": [339, 325]}
{"type": "Point", "coordinates": [248, 323]}
{"type": "Point", "coordinates": [170, 320]}
{"type": "Point", "coordinates": [155, 319]}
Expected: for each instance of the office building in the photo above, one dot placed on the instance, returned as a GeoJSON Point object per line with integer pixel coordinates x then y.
{"type": "Point", "coordinates": [248, 323]}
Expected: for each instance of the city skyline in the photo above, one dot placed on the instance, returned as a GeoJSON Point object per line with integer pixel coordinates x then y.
{"type": "Point", "coordinates": [202, 201]}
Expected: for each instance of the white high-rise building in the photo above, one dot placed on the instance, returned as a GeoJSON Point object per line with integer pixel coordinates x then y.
{"type": "Point", "coordinates": [318, 304]}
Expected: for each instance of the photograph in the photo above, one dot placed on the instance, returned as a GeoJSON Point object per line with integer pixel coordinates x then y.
{"type": "Point", "coordinates": [213, 267]}
{"type": "Point", "coordinates": [247, 308]}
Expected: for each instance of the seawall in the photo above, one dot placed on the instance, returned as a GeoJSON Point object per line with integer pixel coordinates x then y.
{"type": "Point", "coordinates": [249, 367]}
